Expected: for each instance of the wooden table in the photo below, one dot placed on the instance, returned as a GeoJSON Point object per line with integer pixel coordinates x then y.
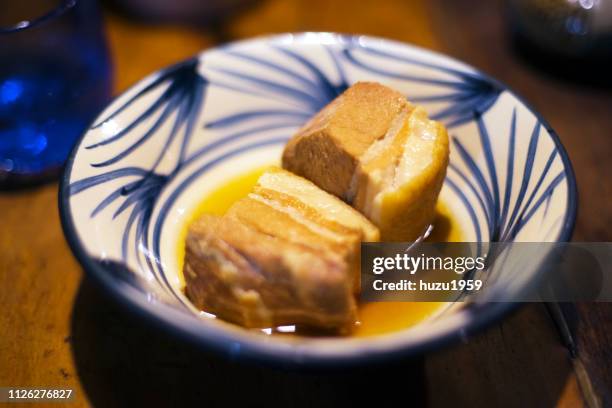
{"type": "Point", "coordinates": [58, 330]}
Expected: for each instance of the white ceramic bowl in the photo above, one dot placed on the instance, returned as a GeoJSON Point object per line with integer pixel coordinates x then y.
{"type": "Point", "coordinates": [159, 148]}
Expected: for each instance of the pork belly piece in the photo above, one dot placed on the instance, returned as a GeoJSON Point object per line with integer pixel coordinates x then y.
{"type": "Point", "coordinates": [286, 254]}
{"type": "Point", "coordinates": [374, 150]}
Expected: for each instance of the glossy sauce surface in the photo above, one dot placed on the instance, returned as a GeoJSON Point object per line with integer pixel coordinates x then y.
{"type": "Point", "coordinates": [375, 318]}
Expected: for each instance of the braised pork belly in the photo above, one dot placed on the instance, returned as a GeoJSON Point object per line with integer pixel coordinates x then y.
{"type": "Point", "coordinates": [286, 254]}
{"type": "Point", "coordinates": [377, 152]}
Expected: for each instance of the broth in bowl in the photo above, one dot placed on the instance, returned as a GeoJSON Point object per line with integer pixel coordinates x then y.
{"type": "Point", "coordinates": [374, 318]}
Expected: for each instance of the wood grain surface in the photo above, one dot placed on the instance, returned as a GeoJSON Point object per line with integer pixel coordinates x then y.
{"type": "Point", "coordinates": [57, 329]}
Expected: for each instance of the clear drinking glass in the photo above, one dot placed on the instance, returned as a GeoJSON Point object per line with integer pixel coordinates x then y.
{"type": "Point", "coordinates": [55, 76]}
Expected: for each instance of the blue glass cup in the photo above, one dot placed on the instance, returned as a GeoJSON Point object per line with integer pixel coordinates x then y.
{"type": "Point", "coordinates": [55, 76]}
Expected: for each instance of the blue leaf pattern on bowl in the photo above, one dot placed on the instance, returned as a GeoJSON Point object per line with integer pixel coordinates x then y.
{"type": "Point", "coordinates": [299, 86]}
{"type": "Point", "coordinates": [182, 97]}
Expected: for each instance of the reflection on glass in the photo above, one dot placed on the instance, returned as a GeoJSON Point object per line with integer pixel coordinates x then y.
{"type": "Point", "coordinates": [54, 78]}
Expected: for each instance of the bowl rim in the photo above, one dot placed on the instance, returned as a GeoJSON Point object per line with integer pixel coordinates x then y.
{"type": "Point", "coordinates": [222, 340]}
